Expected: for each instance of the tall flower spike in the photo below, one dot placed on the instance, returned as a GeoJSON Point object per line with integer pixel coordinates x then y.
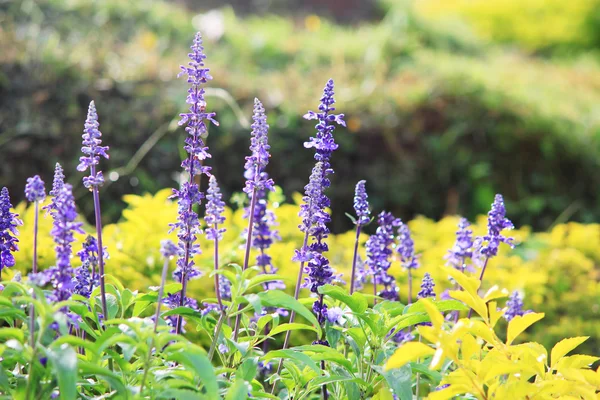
{"type": "Point", "coordinates": [427, 286]}
{"type": "Point", "coordinates": [379, 251]}
{"type": "Point", "coordinates": [361, 207]}
{"type": "Point", "coordinates": [64, 227]}
{"type": "Point", "coordinates": [406, 248]}
{"type": "Point", "coordinates": [57, 184]}
{"type": "Point", "coordinates": [187, 225]}
{"type": "Point", "coordinates": [496, 223]}
{"type": "Point", "coordinates": [361, 204]}
{"type": "Point", "coordinates": [463, 247]}
{"type": "Point", "coordinates": [35, 189]}
{"type": "Point", "coordinates": [214, 211]}
{"type": "Point", "coordinates": [259, 146]}
{"type": "Point", "coordinates": [514, 306]}
{"type": "Point", "coordinates": [92, 149]}
{"type": "Point", "coordinates": [8, 231]}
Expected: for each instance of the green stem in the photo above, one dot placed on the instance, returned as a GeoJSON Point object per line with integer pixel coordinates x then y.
{"type": "Point", "coordinates": [213, 345]}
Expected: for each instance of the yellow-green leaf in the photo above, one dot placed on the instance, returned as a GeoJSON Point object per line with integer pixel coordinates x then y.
{"type": "Point", "coordinates": [436, 317]}
{"type": "Point", "coordinates": [518, 324]}
{"type": "Point", "coordinates": [406, 353]}
{"type": "Point", "coordinates": [475, 302]}
{"type": "Point", "coordinates": [563, 347]}
{"type": "Point", "coordinates": [470, 285]}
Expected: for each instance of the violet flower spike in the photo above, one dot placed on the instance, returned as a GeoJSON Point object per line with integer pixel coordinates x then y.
{"type": "Point", "coordinates": [187, 224]}
{"type": "Point", "coordinates": [487, 246]}
{"type": "Point", "coordinates": [361, 207]}
{"type": "Point", "coordinates": [427, 286]}
{"type": "Point", "coordinates": [8, 231]}
{"type": "Point", "coordinates": [406, 250]}
{"type": "Point", "coordinates": [463, 247]}
{"type": "Point", "coordinates": [514, 306]}
{"type": "Point", "coordinates": [379, 251]}
{"type": "Point", "coordinates": [256, 179]}
{"type": "Point", "coordinates": [63, 230]}
{"type": "Point", "coordinates": [57, 184]}
{"type": "Point", "coordinates": [92, 151]}
{"type": "Point", "coordinates": [35, 192]}
{"type": "Point", "coordinates": [313, 211]}
{"type": "Point", "coordinates": [86, 276]}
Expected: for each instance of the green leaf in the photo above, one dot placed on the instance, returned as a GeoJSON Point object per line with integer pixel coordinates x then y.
{"type": "Point", "coordinates": [64, 367]}
{"type": "Point", "coordinates": [357, 302]}
{"type": "Point", "coordinates": [12, 333]}
{"type": "Point", "coordinates": [112, 305]}
{"type": "Point", "coordinates": [294, 355]}
{"type": "Point", "coordinates": [238, 391]}
{"type": "Point", "coordinates": [424, 369]}
{"type": "Point", "coordinates": [254, 301]}
{"type": "Point", "coordinates": [179, 394]}
{"type": "Point", "coordinates": [193, 358]}
{"type": "Point", "coordinates": [113, 379]}
{"type": "Point", "coordinates": [442, 305]}
{"type": "Point", "coordinates": [404, 321]}
{"type": "Point", "coordinates": [291, 327]}
{"type": "Point", "coordinates": [399, 380]}
{"type": "Point", "coordinates": [277, 298]}
{"type": "Point", "coordinates": [247, 370]}
{"type": "Point", "coordinates": [326, 353]}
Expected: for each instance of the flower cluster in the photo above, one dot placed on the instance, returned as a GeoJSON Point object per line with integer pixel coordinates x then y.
{"type": "Point", "coordinates": [427, 286]}
{"type": "Point", "coordinates": [379, 252]}
{"type": "Point", "coordinates": [8, 231]}
{"type": "Point", "coordinates": [86, 276]}
{"type": "Point", "coordinates": [188, 225]}
{"type": "Point", "coordinates": [361, 204]}
{"type": "Point", "coordinates": [57, 183]}
{"type": "Point", "coordinates": [63, 228]}
{"type": "Point", "coordinates": [496, 223]}
{"type": "Point", "coordinates": [92, 149]}
{"type": "Point", "coordinates": [514, 306]}
{"type": "Point", "coordinates": [406, 247]}
{"type": "Point", "coordinates": [214, 211]}
{"type": "Point", "coordinates": [35, 190]}
{"type": "Point", "coordinates": [256, 177]}
{"type": "Point", "coordinates": [462, 249]}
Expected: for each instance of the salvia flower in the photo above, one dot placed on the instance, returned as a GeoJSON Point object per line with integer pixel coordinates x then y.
{"type": "Point", "coordinates": [514, 306]}
{"type": "Point", "coordinates": [214, 211]}
{"type": "Point", "coordinates": [86, 276]}
{"type": "Point", "coordinates": [406, 248]}
{"type": "Point", "coordinates": [324, 142]}
{"type": "Point", "coordinates": [463, 246]}
{"type": "Point", "coordinates": [427, 286]}
{"type": "Point", "coordinates": [496, 223]}
{"type": "Point", "coordinates": [197, 76]}
{"type": "Point", "coordinates": [168, 249]}
{"type": "Point", "coordinates": [63, 229]}
{"type": "Point", "coordinates": [379, 252]}
{"type": "Point", "coordinates": [256, 178]}
{"type": "Point", "coordinates": [57, 184]}
{"type": "Point", "coordinates": [92, 149]}
{"type": "Point", "coordinates": [173, 301]}
{"type": "Point", "coordinates": [361, 204]}
{"type": "Point", "coordinates": [8, 231]}
{"type": "Point", "coordinates": [35, 189]}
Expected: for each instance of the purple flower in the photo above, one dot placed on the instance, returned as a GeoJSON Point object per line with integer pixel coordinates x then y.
{"type": "Point", "coordinates": [188, 225]}
{"type": "Point", "coordinates": [173, 301]}
{"type": "Point", "coordinates": [64, 226]}
{"type": "Point", "coordinates": [35, 189]}
{"type": "Point", "coordinates": [403, 336]}
{"type": "Point", "coordinates": [223, 349]}
{"type": "Point", "coordinates": [514, 306]}
{"type": "Point", "coordinates": [361, 205]}
{"type": "Point", "coordinates": [92, 149]}
{"type": "Point", "coordinates": [197, 75]}
{"type": "Point", "coordinates": [86, 277]}
{"type": "Point", "coordinates": [8, 231]}
{"type": "Point", "coordinates": [57, 184]}
{"type": "Point", "coordinates": [427, 286]}
{"type": "Point", "coordinates": [406, 248]}
{"type": "Point", "coordinates": [463, 247]}
{"type": "Point", "coordinates": [334, 314]}
{"type": "Point", "coordinates": [214, 211]}
{"type": "Point", "coordinates": [168, 249]}
{"type": "Point", "coordinates": [496, 223]}
{"type": "Point", "coordinates": [361, 274]}
{"type": "Point", "coordinates": [379, 251]}
{"type": "Point", "coordinates": [255, 175]}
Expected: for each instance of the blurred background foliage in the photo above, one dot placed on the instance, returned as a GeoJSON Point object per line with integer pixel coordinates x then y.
{"type": "Point", "coordinates": [447, 101]}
